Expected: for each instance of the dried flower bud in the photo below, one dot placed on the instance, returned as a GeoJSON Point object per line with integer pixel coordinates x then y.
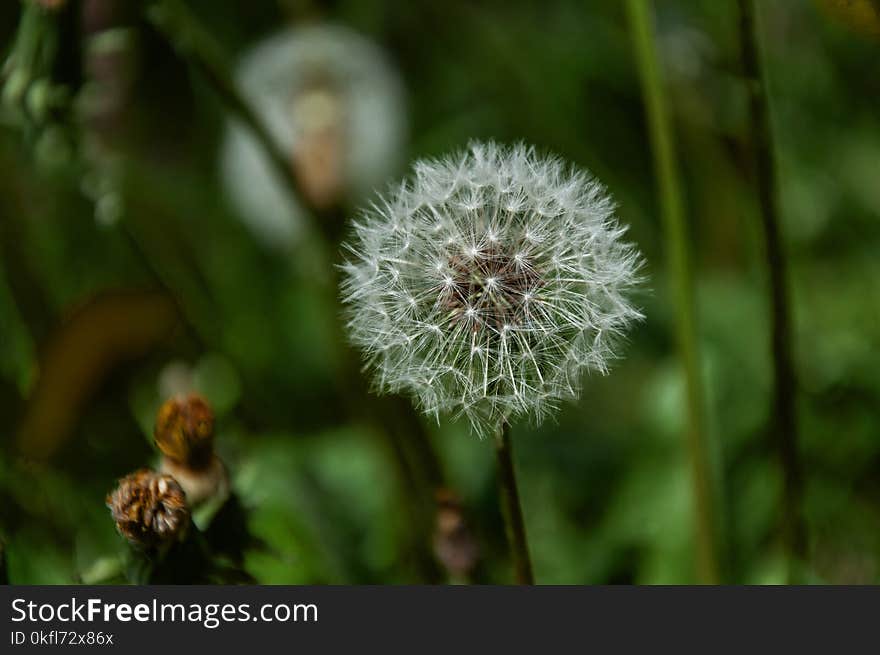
{"type": "Point", "coordinates": [149, 508]}
{"type": "Point", "coordinates": [454, 545]}
{"type": "Point", "coordinates": [185, 431]}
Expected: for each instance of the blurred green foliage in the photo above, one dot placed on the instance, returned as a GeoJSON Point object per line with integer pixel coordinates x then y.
{"type": "Point", "coordinates": [606, 486]}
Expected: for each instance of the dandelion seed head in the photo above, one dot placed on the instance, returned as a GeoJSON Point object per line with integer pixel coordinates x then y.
{"type": "Point", "coordinates": [304, 83]}
{"type": "Point", "coordinates": [510, 279]}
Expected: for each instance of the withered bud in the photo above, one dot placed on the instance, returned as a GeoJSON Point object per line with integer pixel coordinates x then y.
{"type": "Point", "coordinates": [149, 508]}
{"type": "Point", "coordinates": [185, 431]}
{"type": "Point", "coordinates": [454, 544]}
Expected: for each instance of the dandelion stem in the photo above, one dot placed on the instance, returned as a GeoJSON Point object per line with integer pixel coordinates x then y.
{"type": "Point", "coordinates": [511, 507]}
{"type": "Point", "coordinates": [785, 418]}
{"type": "Point", "coordinates": [671, 204]}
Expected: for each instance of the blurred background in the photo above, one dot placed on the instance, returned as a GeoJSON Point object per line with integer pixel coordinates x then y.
{"type": "Point", "coordinates": [148, 248]}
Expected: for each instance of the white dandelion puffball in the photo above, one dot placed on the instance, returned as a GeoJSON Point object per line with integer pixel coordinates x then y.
{"type": "Point", "coordinates": [488, 283]}
{"type": "Point", "coordinates": [336, 108]}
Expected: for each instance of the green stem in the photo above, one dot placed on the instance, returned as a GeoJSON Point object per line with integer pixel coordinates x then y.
{"type": "Point", "coordinates": [663, 148]}
{"type": "Point", "coordinates": [784, 414]}
{"type": "Point", "coordinates": [511, 508]}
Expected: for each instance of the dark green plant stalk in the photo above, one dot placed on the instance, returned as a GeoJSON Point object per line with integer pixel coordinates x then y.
{"type": "Point", "coordinates": [511, 508]}
{"type": "Point", "coordinates": [785, 429]}
{"type": "Point", "coordinates": [671, 205]}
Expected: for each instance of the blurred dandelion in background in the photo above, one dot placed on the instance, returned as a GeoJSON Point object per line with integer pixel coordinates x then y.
{"type": "Point", "coordinates": [331, 100]}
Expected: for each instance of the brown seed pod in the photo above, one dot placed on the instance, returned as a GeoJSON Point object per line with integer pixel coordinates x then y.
{"type": "Point", "coordinates": [149, 508]}
{"type": "Point", "coordinates": [454, 544]}
{"type": "Point", "coordinates": [185, 431]}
